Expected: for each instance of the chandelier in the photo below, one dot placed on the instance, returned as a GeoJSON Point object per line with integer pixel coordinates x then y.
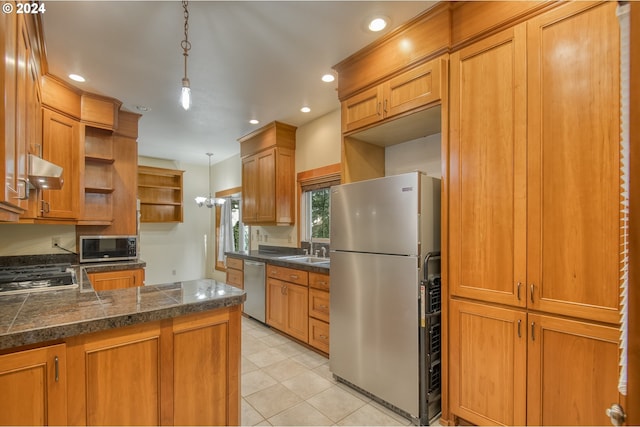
{"type": "Point", "coordinates": [209, 201]}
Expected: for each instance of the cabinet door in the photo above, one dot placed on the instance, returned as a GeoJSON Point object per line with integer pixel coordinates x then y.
{"type": "Point", "coordinates": [297, 311]}
{"type": "Point", "coordinates": [114, 377]}
{"type": "Point", "coordinates": [412, 89]}
{"type": "Point", "coordinates": [249, 189]}
{"type": "Point", "coordinates": [61, 145]}
{"type": "Point", "coordinates": [487, 204]}
{"type": "Point", "coordinates": [206, 345]}
{"type": "Point", "coordinates": [488, 357]}
{"type": "Point", "coordinates": [574, 179]}
{"type": "Point", "coordinates": [362, 109]}
{"type": "Point", "coordinates": [19, 184]}
{"type": "Point", "coordinates": [34, 384]}
{"type": "Point", "coordinates": [266, 197]}
{"type": "Point", "coordinates": [8, 73]}
{"type": "Point", "coordinates": [573, 372]}
{"type": "Point", "coordinates": [117, 279]}
{"type": "Point", "coordinates": [276, 304]}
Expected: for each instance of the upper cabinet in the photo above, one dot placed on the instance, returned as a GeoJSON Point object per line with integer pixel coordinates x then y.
{"type": "Point", "coordinates": [394, 91]}
{"type": "Point", "coordinates": [268, 175]}
{"type": "Point", "coordinates": [86, 134]}
{"type": "Point", "coordinates": [413, 89]}
{"type": "Point", "coordinates": [18, 123]}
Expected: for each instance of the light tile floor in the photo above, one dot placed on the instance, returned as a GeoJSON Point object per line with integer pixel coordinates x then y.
{"type": "Point", "coordinates": [284, 383]}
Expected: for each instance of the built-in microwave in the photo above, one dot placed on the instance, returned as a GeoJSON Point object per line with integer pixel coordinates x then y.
{"type": "Point", "coordinates": [108, 248]}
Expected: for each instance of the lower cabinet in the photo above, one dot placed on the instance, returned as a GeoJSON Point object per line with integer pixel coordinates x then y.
{"type": "Point", "coordinates": [287, 308]}
{"type": "Point", "coordinates": [34, 384]}
{"type": "Point", "coordinates": [120, 279]}
{"type": "Point", "coordinates": [509, 367]}
{"type": "Point", "coordinates": [181, 371]}
{"type": "Point", "coordinates": [298, 305]}
{"type": "Point", "coordinates": [235, 272]}
{"type": "Point", "coordinates": [319, 311]}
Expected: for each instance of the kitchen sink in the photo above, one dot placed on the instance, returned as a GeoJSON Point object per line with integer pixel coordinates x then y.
{"type": "Point", "coordinates": [306, 259]}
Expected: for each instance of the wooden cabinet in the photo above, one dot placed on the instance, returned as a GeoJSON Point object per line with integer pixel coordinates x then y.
{"type": "Point", "coordinates": [206, 346]}
{"type": "Point", "coordinates": [287, 301]}
{"type": "Point", "coordinates": [158, 373]}
{"type": "Point", "coordinates": [35, 385]}
{"type": "Point", "coordinates": [17, 118]}
{"type": "Point", "coordinates": [268, 181]}
{"type": "Point", "coordinates": [413, 89]}
{"type": "Point", "coordinates": [487, 210]}
{"type": "Point", "coordinates": [119, 368]}
{"type": "Point", "coordinates": [120, 279]}
{"type": "Point", "coordinates": [160, 193]}
{"type": "Point", "coordinates": [61, 145]}
{"type": "Point", "coordinates": [235, 272]}
{"type": "Point", "coordinates": [319, 311]}
{"type": "Point", "coordinates": [534, 184]}
{"type": "Point", "coordinates": [488, 363]}
{"type": "Point", "coordinates": [568, 361]}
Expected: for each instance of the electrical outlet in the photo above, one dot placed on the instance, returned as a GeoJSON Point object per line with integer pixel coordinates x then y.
{"type": "Point", "coordinates": [55, 242]}
{"type": "Point", "coordinates": [173, 272]}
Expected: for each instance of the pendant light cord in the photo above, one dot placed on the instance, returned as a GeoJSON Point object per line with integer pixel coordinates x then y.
{"type": "Point", "coordinates": [186, 44]}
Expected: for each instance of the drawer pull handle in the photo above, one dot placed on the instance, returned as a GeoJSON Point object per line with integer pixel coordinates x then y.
{"type": "Point", "coordinates": [533, 334]}
{"type": "Point", "coordinates": [323, 306]}
{"type": "Point", "coordinates": [519, 333]}
{"type": "Point", "coordinates": [57, 368]}
{"type": "Point", "coordinates": [324, 337]}
{"type": "Point", "coordinates": [532, 287]}
{"type": "Point", "coordinates": [322, 283]}
{"type": "Point", "coordinates": [293, 276]}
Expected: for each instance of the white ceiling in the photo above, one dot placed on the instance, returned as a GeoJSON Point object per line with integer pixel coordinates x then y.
{"type": "Point", "coordinates": [249, 59]}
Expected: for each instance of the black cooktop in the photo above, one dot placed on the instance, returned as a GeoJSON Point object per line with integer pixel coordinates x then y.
{"type": "Point", "coordinates": [32, 278]}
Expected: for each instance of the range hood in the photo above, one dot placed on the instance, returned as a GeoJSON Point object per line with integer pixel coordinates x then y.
{"type": "Point", "coordinates": [44, 174]}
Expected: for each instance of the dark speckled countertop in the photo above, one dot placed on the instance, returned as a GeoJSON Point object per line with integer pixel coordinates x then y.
{"type": "Point", "coordinates": [274, 255]}
{"type": "Point", "coordinates": [53, 315]}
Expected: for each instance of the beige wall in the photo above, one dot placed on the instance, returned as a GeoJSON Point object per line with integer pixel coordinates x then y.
{"type": "Point", "coordinates": [35, 239]}
{"type": "Point", "coordinates": [179, 251]}
{"type": "Point", "coordinates": [418, 155]}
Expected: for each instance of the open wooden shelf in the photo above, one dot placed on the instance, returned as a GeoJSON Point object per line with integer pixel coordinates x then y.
{"type": "Point", "coordinates": [160, 194]}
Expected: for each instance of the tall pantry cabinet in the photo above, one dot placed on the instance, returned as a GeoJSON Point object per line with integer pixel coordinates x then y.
{"type": "Point", "coordinates": [534, 221]}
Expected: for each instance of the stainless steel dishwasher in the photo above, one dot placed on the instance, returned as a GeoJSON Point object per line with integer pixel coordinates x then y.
{"type": "Point", "coordinates": [254, 286]}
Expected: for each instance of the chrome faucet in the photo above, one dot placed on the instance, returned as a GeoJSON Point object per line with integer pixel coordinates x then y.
{"type": "Point", "coordinates": [311, 246]}
{"type": "Point", "coordinates": [323, 251]}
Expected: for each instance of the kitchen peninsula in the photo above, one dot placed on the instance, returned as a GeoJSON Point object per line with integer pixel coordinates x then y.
{"type": "Point", "coordinates": [146, 356]}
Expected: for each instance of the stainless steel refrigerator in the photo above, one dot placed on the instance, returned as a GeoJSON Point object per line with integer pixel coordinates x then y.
{"type": "Point", "coordinates": [381, 230]}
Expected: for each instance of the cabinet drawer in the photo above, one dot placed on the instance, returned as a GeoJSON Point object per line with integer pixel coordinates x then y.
{"type": "Point", "coordinates": [319, 334]}
{"type": "Point", "coordinates": [235, 263]}
{"type": "Point", "coordinates": [235, 278]}
{"type": "Point", "coordinates": [319, 281]}
{"type": "Point", "coordinates": [319, 304]}
{"type": "Point", "coordinates": [288, 274]}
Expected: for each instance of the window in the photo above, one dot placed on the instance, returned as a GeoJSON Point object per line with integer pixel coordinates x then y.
{"type": "Point", "coordinates": [315, 214]}
{"type": "Point", "coordinates": [314, 198]}
{"type": "Point", "coordinates": [229, 222]}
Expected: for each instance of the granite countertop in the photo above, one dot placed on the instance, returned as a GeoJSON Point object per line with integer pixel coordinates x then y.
{"type": "Point", "coordinates": [275, 258]}
{"type": "Point", "coordinates": [53, 315]}
{"type": "Point", "coordinates": [99, 267]}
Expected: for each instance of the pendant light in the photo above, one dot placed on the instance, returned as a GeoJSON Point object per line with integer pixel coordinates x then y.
{"type": "Point", "coordinates": [185, 95]}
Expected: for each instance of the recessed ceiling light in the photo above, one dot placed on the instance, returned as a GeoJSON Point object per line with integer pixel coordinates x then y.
{"type": "Point", "coordinates": [305, 109]}
{"type": "Point", "coordinates": [378, 23]}
{"type": "Point", "coordinates": [143, 108]}
{"type": "Point", "coordinates": [254, 121]}
{"type": "Point", "coordinates": [77, 78]}
{"type": "Point", "coordinates": [328, 78]}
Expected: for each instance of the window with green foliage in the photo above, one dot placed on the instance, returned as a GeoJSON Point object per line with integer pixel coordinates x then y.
{"type": "Point", "coordinates": [317, 202]}
{"type": "Point", "coordinates": [314, 187]}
